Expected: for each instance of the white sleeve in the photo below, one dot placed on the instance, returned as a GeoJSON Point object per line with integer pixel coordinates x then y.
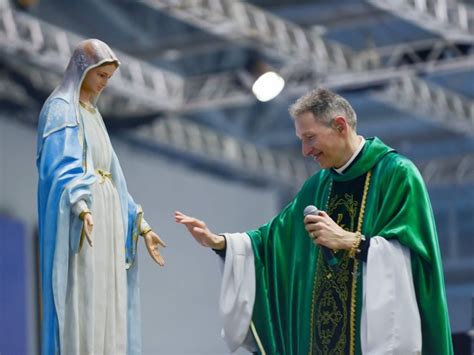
{"type": "Point", "coordinates": [237, 294]}
{"type": "Point", "coordinates": [78, 207]}
{"type": "Point", "coordinates": [390, 320]}
{"type": "Point", "coordinates": [144, 225]}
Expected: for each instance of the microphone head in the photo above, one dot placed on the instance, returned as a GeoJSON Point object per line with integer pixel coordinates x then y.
{"type": "Point", "coordinates": [310, 209]}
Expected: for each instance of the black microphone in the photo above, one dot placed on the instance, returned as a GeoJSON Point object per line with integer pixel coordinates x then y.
{"type": "Point", "coordinates": [327, 253]}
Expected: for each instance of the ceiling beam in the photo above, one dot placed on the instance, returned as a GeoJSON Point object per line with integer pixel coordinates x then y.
{"type": "Point", "coordinates": [387, 64]}
{"type": "Point", "coordinates": [243, 23]}
{"type": "Point", "coordinates": [430, 102]}
{"type": "Point", "coordinates": [34, 43]}
{"type": "Point", "coordinates": [325, 63]}
{"type": "Point", "coordinates": [209, 148]}
{"type": "Point", "coordinates": [450, 19]}
{"type": "Point", "coordinates": [49, 47]}
{"type": "Point", "coordinates": [457, 169]}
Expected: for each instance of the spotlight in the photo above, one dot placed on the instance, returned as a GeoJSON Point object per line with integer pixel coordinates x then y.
{"type": "Point", "coordinates": [268, 86]}
{"type": "Point", "coordinates": [265, 82]}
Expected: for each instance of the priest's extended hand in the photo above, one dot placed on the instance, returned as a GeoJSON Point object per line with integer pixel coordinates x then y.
{"type": "Point", "coordinates": [200, 232]}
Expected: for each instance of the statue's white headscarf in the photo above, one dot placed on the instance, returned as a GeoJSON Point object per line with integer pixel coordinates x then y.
{"type": "Point", "coordinates": [88, 54]}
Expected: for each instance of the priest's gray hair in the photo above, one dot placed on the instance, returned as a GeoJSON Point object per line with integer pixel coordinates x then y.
{"type": "Point", "coordinates": [324, 105]}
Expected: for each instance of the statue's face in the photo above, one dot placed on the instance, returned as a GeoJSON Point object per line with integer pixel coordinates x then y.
{"type": "Point", "coordinates": [97, 79]}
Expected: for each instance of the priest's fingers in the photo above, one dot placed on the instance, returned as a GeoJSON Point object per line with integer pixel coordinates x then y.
{"type": "Point", "coordinates": [317, 218]}
{"type": "Point", "coordinates": [318, 226]}
{"type": "Point", "coordinates": [311, 219]}
{"type": "Point", "coordinates": [194, 221]}
{"type": "Point", "coordinates": [181, 218]}
{"type": "Point", "coordinates": [178, 216]}
{"type": "Point", "coordinates": [323, 214]}
{"type": "Point", "coordinates": [184, 219]}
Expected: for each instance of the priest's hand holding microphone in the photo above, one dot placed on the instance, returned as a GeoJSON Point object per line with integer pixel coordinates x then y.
{"type": "Point", "coordinates": [327, 234]}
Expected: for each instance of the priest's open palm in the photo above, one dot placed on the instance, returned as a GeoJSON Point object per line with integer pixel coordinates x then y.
{"type": "Point", "coordinates": [199, 230]}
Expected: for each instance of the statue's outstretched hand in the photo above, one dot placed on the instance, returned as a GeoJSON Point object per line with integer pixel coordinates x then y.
{"type": "Point", "coordinates": [152, 241]}
{"type": "Point", "coordinates": [88, 225]}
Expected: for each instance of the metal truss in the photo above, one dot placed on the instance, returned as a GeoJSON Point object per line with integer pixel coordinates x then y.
{"type": "Point", "coordinates": [371, 68]}
{"type": "Point", "coordinates": [44, 81]}
{"type": "Point", "coordinates": [457, 169]}
{"type": "Point", "coordinates": [26, 40]}
{"type": "Point", "coordinates": [211, 148]}
{"type": "Point", "coordinates": [423, 55]}
{"type": "Point", "coordinates": [252, 162]}
{"type": "Point", "coordinates": [430, 101]}
{"type": "Point", "coordinates": [384, 65]}
{"type": "Point", "coordinates": [309, 60]}
{"type": "Point", "coordinates": [35, 43]}
{"type": "Point", "coordinates": [244, 23]}
{"type": "Point", "coordinates": [450, 19]}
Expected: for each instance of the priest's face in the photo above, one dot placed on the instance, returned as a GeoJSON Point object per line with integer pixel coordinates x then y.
{"type": "Point", "coordinates": [325, 143]}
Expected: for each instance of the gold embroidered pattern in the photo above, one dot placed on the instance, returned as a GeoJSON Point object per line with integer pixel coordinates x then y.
{"type": "Point", "coordinates": [313, 299]}
{"type": "Point", "coordinates": [334, 296]}
{"type": "Point", "coordinates": [350, 206]}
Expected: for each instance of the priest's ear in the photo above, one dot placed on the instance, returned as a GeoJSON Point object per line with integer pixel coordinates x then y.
{"type": "Point", "coordinates": [340, 124]}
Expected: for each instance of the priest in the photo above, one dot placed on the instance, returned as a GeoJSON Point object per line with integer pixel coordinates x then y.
{"type": "Point", "coordinates": [361, 274]}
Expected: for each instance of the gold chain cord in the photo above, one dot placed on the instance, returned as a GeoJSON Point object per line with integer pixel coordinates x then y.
{"type": "Point", "coordinates": [103, 175]}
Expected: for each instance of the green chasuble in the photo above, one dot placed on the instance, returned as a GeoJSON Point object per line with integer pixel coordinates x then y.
{"type": "Point", "coordinates": [302, 306]}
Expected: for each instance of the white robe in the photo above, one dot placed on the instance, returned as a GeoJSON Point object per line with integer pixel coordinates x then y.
{"type": "Point", "coordinates": [390, 320]}
{"type": "Point", "coordinates": [96, 301]}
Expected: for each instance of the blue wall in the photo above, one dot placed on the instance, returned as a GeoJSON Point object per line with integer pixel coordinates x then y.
{"type": "Point", "coordinates": [13, 288]}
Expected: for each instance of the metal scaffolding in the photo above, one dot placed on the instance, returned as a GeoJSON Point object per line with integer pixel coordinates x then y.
{"type": "Point", "coordinates": [40, 51]}
{"type": "Point", "coordinates": [210, 147]}
{"type": "Point", "coordinates": [36, 43]}
{"type": "Point", "coordinates": [247, 24]}
{"type": "Point", "coordinates": [428, 100]}
{"type": "Point", "coordinates": [385, 65]}
{"type": "Point", "coordinates": [450, 19]}
{"type": "Point", "coordinates": [326, 63]}
{"type": "Point", "coordinates": [457, 169]}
